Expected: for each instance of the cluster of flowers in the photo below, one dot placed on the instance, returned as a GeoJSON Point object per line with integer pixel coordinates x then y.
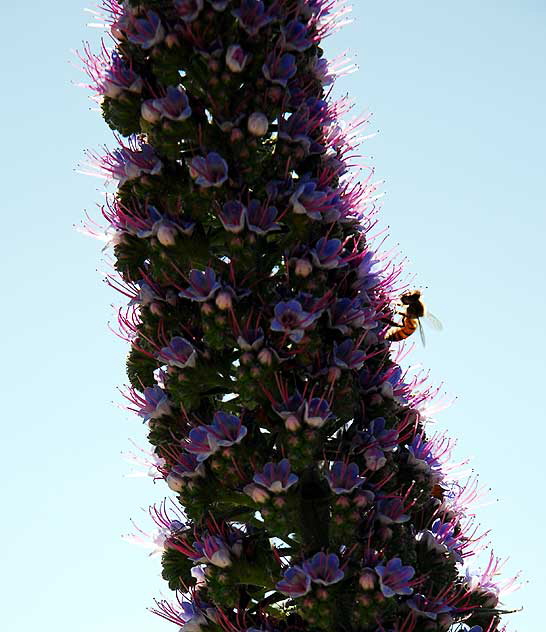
{"type": "Point", "coordinates": [309, 494]}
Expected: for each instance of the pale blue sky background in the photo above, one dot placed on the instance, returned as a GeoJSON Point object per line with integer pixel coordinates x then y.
{"type": "Point", "coordinates": [458, 92]}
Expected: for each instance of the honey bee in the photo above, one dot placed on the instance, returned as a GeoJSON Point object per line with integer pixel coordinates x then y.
{"type": "Point", "coordinates": [414, 311]}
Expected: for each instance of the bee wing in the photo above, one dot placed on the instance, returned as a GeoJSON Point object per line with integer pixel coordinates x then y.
{"type": "Point", "coordinates": [421, 332]}
{"type": "Point", "coordinates": [434, 322]}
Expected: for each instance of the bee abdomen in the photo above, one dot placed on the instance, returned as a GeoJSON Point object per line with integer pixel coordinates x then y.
{"type": "Point", "coordinates": [396, 334]}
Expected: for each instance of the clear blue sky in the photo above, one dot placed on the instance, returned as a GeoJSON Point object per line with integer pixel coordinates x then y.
{"type": "Point", "coordinates": [458, 92]}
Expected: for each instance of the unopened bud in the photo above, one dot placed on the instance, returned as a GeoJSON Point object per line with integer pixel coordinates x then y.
{"type": "Point", "coordinates": [171, 40]}
{"type": "Point", "coordinates": [258, 124]}
{"type": "Point", "coordinates": [247, 358]}
{"type": "Point", "coordinates": [258, 494]}
{"type": "Point", "coordinates": [148, 112]}
{"type": "Point", "coordinates": [224, 300]}
{"type": "Point", "coordinates": [334, 373]}
{"type": "Point", "coordinates": [175, 482]}
{"type": "Point", "coordinates": [156, 309]}
{"type": "Point", "coordinates": [322, 594]}
{"type": "Point", "coordinates": [236, 58]}
{"type": "Point", "coordinates": [367, 579]}
{"type": "Point", "coordinates": [292, 423]}
{"type": "Point", "coordinates": [265, 357]}
{"type": "Point", "coordinates": [207, 309]}
{"type": "Point", "coordinates": [166, 235]}
{"type": "Point", "coordinates": [236, 135]}
{"type": "Point", "coordinates": [303, 268]}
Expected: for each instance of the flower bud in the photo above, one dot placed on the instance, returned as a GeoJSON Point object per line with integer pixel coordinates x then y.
{"type": "Point", "coordinates": [166, 235]}
{"type": "Point", "coordinates": [322, 594]}
{"type": "Point", "coordinates": [292, 423]}
{"type": "Point", "coordinates": [303, 268]}
{"type": "Point", "coordinates": [265, 357]}
{"type": "Point", "coordinates": [367, 579]}
{"type": "Point", "coordinates": [207, 309]}
{"type": "Point", "coordinates": [255, 371]}
{"type": "Point", "coordinates": [171, 40]}
{"type": "Point", "coordinates": [148, 112]}
{"type": "Point", "coordinates": [247, 358]}
{"type": "Point", "coordinates": [175, 482]}
{"type": "Point", "coordinates": [258, 124]}
{"type": "Point", "coordinates": [258, 494]}
{"type": "Point", "coordinates": [156, 309]}
{"type": "Point", "coordinates": [224, 300]}
{"type": "Point", "coordinates": [236, 58]}
{"type": "Point", "coordinates": [236, 135]}
{"type": "Point", "coordinates": [334, 373]}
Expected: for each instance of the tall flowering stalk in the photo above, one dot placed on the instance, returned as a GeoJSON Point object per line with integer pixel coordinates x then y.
{"type": "Point", "coordinates": [307, 493]}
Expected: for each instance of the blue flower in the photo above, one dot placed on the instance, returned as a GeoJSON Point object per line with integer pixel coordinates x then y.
{"type": "Point", "coordinates": [209, 171]}
{"type": "Point", "coordinates": [394, 578]}
{"type": "Point", "coordinates": [324, 569]}
{"type": "Point", "coordinates": [225, 430]}
{"type": "Point", "coordinates": [317, 412]}
{"type": "Point", "coordinates": [428, 607]}
{"type": "Point", "coordinates": [326, 254]}
{"type": "Point", "coordinates": [173, 106]}
{"type": "Point", "coordinates": [232, 216]}
{"type": "Point", "coordinates": [296, 582]}
{"type": "Point", "coordinates": [347, 356]}
{"type": "Point", "coordinates": [391, 511]}
{"type": "Point", "coordinates": [343, 478]}
{"type": "Point", "coordinates": [203, 285]}
{"type": "Point", "coordinates": [261, 218]}
{"type": "Point", "coordinates": [157, 404]}
{"type": "Point", "coordinates": [276, 478]}
{"type": "Point", "coordinates": [295, 36]}
{"type": "Point", "coordinates": [252, 16]}
{"type": "Point", "coordinates": [200, 445]}
{"type": "Point", "coordinates": [179, 353]}
{"type": "Point", "coordinates": [145, 31]}
{"type": "Point", "coordinates": [279, 68]}
{"type": "Point", "coordinates": [292, 319]}
{"type": "Point", "coordinates": [188, 10]}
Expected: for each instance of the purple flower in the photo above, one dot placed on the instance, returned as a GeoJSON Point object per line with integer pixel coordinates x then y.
{"type": "Point", "coordinates": [174, 106]}
{"type": "Point", "coordinates": [296, 582]}
{"type": "Point", "coordinates": [391, 511]}
{"type": "Point", "coordinates": [188, 10]}
{"type": "Point", "coordinates": [343, 478]}
{"type": "Point", "coordinates": [179, 352]}
{"type": "Point", "coordinates": [317, 412]}
{"type": "Point", "coordinates": [146, 294]}
{"type": "Point", "coordinates": [292, 405]}
{"type": "Point", "coordinates": [386, 438]}
{"type": "Point", "coordinates": [203, 285]}
{"type": "Point", "coordinates": [442, 539]}
{"type": "Point", "coordinates": [236, 58]}
{"type": "Point", "coordinates": [145, 31]}
{"type": "Point", "coordinates": [394, 578]}
{"type": "Point", "coordinates": [427, 607]}
{"type": "Point", "coordinates": [324, 569]}
{"type": "Point", "coordinates": [252, 16]}
{"type": "Point", "coordinates": [214, 550]}
{"type": "Point", "coordinates": [110, 74]}
{"type": "Point", "coordinates": [219, 5]}
{"type": "Point", "coordinates": [127, 163]}
{"type": "Point", "coordinates": [326, 254]}
{"type": "Point", "coordinates": [347, 356]}
{"type": "Point", "coordinates": [192, 616]}
{"type": "Point", "coordinates": [157, 404]}
{"type": "Point", "coordinates": [260, 218]}
{"type": "Point", "coordinates": [200, 444]}
{"type": "Point", "coordinates": [232, 216]}
{"type": "Point", "coordinates": [211, 171]}
{"type": "Point", "coordinates": [307, 200]}
{"type": "Point", "coordinates": [225, 430]}
{"type": "Point", "coordinates": [188, 466]}
{"type": "Point", "coordinates": [366, 279]}
{"type": "Point", "coordinates": [292, 319]}
{"type": "Point", "coordinates": [347, 315]}
{"type": "Point", "coordinates": [423, 455]}
{"type": "Point", "coordinates": [295, 36]}
{"type": "Point", "coordinates": [279, 68]}
{"type": "Point", "coordinates": [276, 477]}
